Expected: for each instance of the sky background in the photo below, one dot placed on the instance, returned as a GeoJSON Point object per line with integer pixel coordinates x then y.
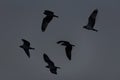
{"type": "Point", "coordinates": [96, 55]}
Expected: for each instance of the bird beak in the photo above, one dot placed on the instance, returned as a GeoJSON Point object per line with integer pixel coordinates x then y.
{"type": "Point", "coordinates": [73, 45]}
{"type": "Point", "coordinates": [55, 16]}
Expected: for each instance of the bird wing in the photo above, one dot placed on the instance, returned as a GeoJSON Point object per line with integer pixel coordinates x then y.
{"type": "Point", "coordinates": [92, 18]}
{"type": "Point", "coordinates": [62, 42]}
{"type": "Point", "coordinates": [47, 59]}
{"type": "Point", "coordinates": [45, 22]}
{"type": "Point", "coordinates": [68, 52]}
{"type": "Point", "coordinates": [27, 52]}
{"type": "Point", "coordinates": [26, 42]}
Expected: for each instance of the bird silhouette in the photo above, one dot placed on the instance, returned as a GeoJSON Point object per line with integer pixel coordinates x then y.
{"type": "Point", "coordinates": [26, 47]}
{"type": "Point", "coordinates": [68, 48]}
{"type": "Point", "coordinates": [51, 65]}
{"type": "Point", "coordinates": [47, 19]}
{"type": "Point", "coordinates": [91, 21]}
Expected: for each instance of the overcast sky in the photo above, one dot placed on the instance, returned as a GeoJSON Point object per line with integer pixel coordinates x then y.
{"type": "Point", "coordinates": [96, 55]}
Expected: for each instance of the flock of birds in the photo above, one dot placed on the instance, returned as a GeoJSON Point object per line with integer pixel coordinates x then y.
{"type": "Point", "coordinates": [68, 46]}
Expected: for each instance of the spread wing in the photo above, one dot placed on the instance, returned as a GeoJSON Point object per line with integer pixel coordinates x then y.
{"type": "Point", "coordinates": [47, 60]}
{"type": "Point", "coordinates": [68, 52]}
{"type": "Point", "coordinates": [45, 22]}
{"type": "Point", "coordinates": [26, 42]}
{"type": "Point", "coordinates": [92, 18]}
{"type": "Point", "coordinates": [27, 52]}
{"type": "Point", "coordinates": [62, 42]}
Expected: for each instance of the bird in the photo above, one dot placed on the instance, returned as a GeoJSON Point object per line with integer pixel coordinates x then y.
{"type": "Point", "coordinates": [26, 47]}
{"type": "Point", "coordinates": [46, 20]}
{"type": "Point", "coordinates": [91, 21]}
{"type": "Point", "coordinates": [68, 47]}
{"type": "Point", "coordinates": [51, 66]}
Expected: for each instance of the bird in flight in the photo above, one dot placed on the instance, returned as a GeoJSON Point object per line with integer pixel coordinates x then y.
{"type": "Point", "coordinates": [51, 65]}
{"type": "Point", "coordinates": [68, 48]}
{"type": "Point", "coordinates": [47, 19]}
{"type": "Point", "coordinates": [26, 47]}
{"type": "Point", "coordinates": [91, 21]}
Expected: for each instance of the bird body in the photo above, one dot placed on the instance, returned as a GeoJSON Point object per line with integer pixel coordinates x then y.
{"type": "Point", "coordinates": [91, 21]}
{"type": "Point", "coordinates": [26, 47]}
{"type": "Point", "coordinates": [51, 66]}
{"type": "Point", "coordinates": [68, 48]}
{"type": "Point", "coordinates": [47, 19]}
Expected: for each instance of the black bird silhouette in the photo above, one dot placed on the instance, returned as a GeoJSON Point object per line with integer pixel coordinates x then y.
{"type": "Point", "coordinates": [91, 21]}
{"type": "Point", "coordinates": [26, 47]}
{"type": "Point", "coordinates": [68, 48]}
{"type": "Point", "coordinates": [51, 66]}
{"type": "Point", "coordinates": [47, 19]}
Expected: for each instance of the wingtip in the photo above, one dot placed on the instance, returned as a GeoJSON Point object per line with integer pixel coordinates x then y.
{"type": "Point", "coordinates": [43, 30]}
{"type": "Point", "coordinates": [29, 57]}
{"type": "Point", "coordinates": [57, 42]}
{"type": "Point", "coordinates": [44, 54]}
{"type": "Point", "coordinates": [70, 59]}
{"type": "Point", "coordinates": [22, 39]}
{"type": "Point", "coordinates": [96, 10]}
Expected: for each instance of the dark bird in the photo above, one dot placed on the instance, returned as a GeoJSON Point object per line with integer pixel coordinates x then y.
{"type": "Point", "coordinates": [26, 47]}
{"type": "Point", "coordinates": [51, 66]}
{"type": "Point", "coordinates": [91, 21]}
{"type": "Point", "coordinates": [68, 48]}
{"type": "Point", "coordinates": [47, 19]}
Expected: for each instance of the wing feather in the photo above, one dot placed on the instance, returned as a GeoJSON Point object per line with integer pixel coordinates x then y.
{"type": "Point", "coordinates": [92, 18]}
{"type": "Point", "coordinates": [27, 52]}
{"type": "Point", "coordinates": [47, 59]}
{"type": "Point", "coordinates": [68, 52]}
{"type": "Point", "coordinates": [62, 42]}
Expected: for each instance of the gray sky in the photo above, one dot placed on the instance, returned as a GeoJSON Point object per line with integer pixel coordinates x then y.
{"type": "Point", "coordinates": [95, 57]}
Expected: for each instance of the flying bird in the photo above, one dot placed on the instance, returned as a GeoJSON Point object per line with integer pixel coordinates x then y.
{"type": "Point", "coordinates": [26, 47]}
{"type": "Point", "coordinates": [47, 19]}
{"type": "Point", "coordinates": [68, 48]}
{"type": "Point", "coordinates": [51, 66]}
{"type": "Point", "coordinates": [91, 21]}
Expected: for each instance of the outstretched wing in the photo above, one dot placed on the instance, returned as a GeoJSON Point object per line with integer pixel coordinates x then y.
{"type": "Point", "coordinates": [45, 22]}
{"type": "Point", "coordinates": [47, 59]}
{"type": "Point", "coordinates": [27, 52]}
{"type": "Point", "coordinates": [62, 42]}
{"type": "Point", "coordinates": [92, 18]}
{"type": "Point", "coordinates": [26, 42]}
{"type": "Point", "coordinates": [68, 52]}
